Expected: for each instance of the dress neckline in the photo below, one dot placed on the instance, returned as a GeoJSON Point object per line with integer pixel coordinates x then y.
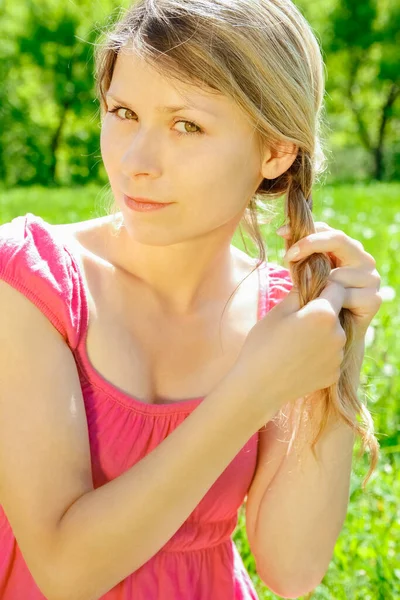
{"type": "Point", "coordinates": [94, 377]}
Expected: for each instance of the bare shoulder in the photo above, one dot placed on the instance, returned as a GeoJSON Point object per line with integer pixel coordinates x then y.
{"type": "Point", "coordinates": [91, 241]}
{"type": "Point", "coordinates": [245, 260]}
{"type": "Point", "coordinates": [81, 231]}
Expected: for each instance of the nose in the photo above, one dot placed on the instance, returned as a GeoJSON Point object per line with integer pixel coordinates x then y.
{"type": "Point", "coordinates": [141, 155]}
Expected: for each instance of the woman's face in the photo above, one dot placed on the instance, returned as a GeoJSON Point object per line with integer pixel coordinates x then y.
{"type": "Point", "coordinates": [204, 158]}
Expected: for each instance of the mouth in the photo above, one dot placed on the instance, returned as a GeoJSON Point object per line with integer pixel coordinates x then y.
{"type": "Point", "coordinates": [146, 200]}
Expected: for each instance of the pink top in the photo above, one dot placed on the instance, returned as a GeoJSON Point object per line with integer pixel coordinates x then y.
{"type": "Point", "coordinates": [200, 561]}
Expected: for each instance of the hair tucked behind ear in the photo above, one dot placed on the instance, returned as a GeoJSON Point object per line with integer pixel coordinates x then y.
{"type": "Point", "coordinates": [265, 57]}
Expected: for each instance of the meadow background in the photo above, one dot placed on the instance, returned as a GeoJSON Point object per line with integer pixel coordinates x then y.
{"type": "Point", "coordinates": [50, 165]}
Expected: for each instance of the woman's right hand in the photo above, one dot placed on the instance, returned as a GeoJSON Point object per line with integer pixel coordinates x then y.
{"type": "Point", "coordinates": [292, 351]}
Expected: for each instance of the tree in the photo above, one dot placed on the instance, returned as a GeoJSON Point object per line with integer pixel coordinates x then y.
{"type": "Point", "coordinates": [364, 69]}
{"type": "Point", "coordinates": [52, 43]}
{"type": "Point", "coordinates": [49, 121]}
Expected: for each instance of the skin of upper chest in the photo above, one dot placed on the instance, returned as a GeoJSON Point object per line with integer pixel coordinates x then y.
{"type": "Point", "coordinates": [155, 357]}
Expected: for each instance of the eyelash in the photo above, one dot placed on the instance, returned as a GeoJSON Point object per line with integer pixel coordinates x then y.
{"type": "Point", "coordinates": [199, 132]}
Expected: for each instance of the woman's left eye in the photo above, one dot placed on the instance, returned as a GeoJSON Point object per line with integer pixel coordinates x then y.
{"type": "Point", "coordinates": [190, 123]}
{"type": "Point", "coordinates": [190, 132]}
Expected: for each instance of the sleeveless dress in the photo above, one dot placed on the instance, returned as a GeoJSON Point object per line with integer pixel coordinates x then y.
{"type": "Point", "coordinates": [200, 561]}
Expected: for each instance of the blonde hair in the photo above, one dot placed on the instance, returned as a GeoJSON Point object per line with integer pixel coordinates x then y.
{"type": "Point", "coordinates": [264, 55]}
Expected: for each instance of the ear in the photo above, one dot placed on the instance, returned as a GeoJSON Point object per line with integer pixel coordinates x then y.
{"type": "Point", "coordinates": [277, 161]}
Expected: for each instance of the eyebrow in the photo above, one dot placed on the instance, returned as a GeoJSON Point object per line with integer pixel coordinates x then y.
{"type": "Point", "coordinates": [167, 109]}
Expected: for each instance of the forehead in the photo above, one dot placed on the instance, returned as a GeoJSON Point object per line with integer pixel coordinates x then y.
{"type": "Point", "coordinates": [133, 78]}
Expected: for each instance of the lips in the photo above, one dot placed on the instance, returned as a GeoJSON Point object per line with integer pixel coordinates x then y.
{"type": "Point", "coordinates": [146, 200]}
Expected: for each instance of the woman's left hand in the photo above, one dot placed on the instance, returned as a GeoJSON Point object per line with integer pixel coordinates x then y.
{"type": "Point", "coordinates": [355, 270]}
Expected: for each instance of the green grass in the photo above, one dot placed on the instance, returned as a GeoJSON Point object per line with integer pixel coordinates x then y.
{"type": "Point", "coordinates": [366, 560]}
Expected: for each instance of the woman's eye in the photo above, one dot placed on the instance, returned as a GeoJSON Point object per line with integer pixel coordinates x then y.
{"type": "Point", "coordinates": [191, 126]}
{"type": "Point", "coordinates": [118, 108]}
{"type": "Point", "coordinates": [186, 124]}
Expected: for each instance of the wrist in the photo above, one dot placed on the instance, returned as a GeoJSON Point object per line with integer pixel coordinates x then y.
{"type": "Point", "coordinates": [245, 399]}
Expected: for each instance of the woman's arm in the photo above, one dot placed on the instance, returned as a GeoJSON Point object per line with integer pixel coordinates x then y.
{"type": "Point", "coordinates": [110, 532]}
{"type": "Point", "coordinates": [294, 516]}
{"type": "Point", "coordinates": [79, 542]}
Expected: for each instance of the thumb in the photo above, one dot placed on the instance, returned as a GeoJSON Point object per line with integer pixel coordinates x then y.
{"type": "Point", "coordinates": [290, 303]}
{"type": "Point", "coordinates": [332, 296]}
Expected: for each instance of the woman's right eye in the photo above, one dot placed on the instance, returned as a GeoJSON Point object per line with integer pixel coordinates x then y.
{"type": "Point", "coordinates": [116, 109]}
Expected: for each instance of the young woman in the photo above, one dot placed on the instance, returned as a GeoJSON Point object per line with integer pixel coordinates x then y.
{"type": "Point", "coordinates": [140, 405]}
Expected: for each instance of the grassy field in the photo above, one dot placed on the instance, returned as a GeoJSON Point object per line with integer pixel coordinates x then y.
{"type": "Point", "coordinates": [366, 561]}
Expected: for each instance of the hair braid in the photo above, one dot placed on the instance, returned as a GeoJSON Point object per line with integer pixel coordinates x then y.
{"type": "Point", "coordinates": [310, 276]}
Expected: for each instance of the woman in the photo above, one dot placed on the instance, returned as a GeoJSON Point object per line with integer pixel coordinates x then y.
{"type": "Point", "coordinates": [131, 435]}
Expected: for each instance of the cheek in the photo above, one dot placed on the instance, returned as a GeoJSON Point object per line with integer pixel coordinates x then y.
{"type": "Point", "coordinates": [108, 145]}
{"type": "Point", "coordinates": [104, 144]}
{"type": "Point", "coordinates": [231, 158]}
{"type": "Point", "coordinates": [232, 170]}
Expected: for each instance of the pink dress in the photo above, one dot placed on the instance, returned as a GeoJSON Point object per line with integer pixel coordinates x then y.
{"type": "Point", "coordinates": [200, 561]}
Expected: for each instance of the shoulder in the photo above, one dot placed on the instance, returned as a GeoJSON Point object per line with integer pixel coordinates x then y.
{"type": "Point", "coordinates": [34, 261]}
{"type": "Point", "coordinates": [26, 243]}
{"type": "Point", "coordinates": [89, 237]}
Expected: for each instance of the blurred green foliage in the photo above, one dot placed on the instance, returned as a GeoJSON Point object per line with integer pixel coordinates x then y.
{"type": "Point", "coordinates": [49, 113]}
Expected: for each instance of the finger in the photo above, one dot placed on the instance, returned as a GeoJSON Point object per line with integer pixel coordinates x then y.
{"type": "Point", "coordinates": [363, 301]}
{"type": "Point", "coordinates": [347, 251]}
{"type": "Point", "coordinates": [290, 303]}
{"type": "Point", "coordinates": [357, 278]}
{"type": "Point", "coordinates": [333, 294]}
